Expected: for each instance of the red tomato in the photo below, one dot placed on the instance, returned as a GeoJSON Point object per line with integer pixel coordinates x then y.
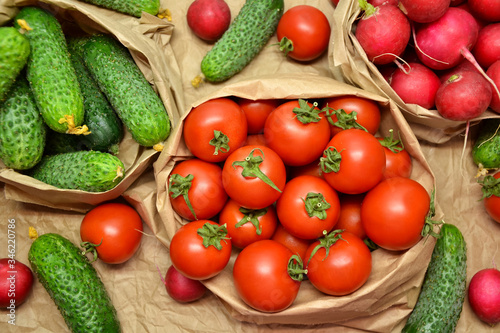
{"type": "Point", "coordinates": [394, 212]}
{"type": "Point", "coordinates": [345, 268]}
{"type": "Point", "coordinates": [296, 132]}
{"type": "Point", "coordinates": [350, 214]}
{"type": "Point", "coordinates": [201, 183]}
{"type": "Point", "coordinates": [492, 198]}
{"type": "Point", "coordinates": [362, 161]}
{"type": "Point", "coordinates": [256, 112]}
{"type": "Point", "coordinates": [367, 112]}
{"type": "Point", "coordinates": [192, 258]}
{"type": "Point", "coordinates": [254, 176]}
{"type": "Point", "coordinates": [115, 229]}
{"type": "Point", "coordinates": [296, 245]}
{"type": "Point", "coordinates": [307, 32]}
{"type": "Point", "coordinates": [214, 129]}
{"type": "Point", "coordinates": [398, 162]}
{"type": "Point", "coordinates": [308, 207]}
{"type": "Point", "coordinates": [246, 226]}
{"type": "Point", "coordinates": [312, 169]}
{"type": "Point", "coordinates": [261, 276]}
{"type": "Point", "coordinates": [255, 140]}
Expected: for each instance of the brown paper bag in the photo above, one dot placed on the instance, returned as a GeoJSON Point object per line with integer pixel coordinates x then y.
{"type": "Point", "coordinates": [346, 54]}
{"type": "Point", "coordinates": [147, 39]}
{"type": "Point", "coordinates": [395, 278]}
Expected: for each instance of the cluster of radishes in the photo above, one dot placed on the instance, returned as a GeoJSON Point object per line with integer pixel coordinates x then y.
{"type": "Point", "coordinates": [442, 54]}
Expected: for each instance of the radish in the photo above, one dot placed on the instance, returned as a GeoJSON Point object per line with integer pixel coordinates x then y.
{"type": "Point", "coordinates": [16, 282]}
{"type": "Point", "coordinates": [383, 32]}
{"type": "Point", "coordinates": [376, 3]}
{"type": "Point", "coordinates": [487, 10]}
{"type": "Point", "coordinates": [424, 11]}
{"type": "Point", "coordinates": [494, 73]}
{"type": "Point", "coordinates": [484, 295]}
{"type": "Point", "coordinates": [182, 289]}
{"type": "Point", "coordinates": [456, 2]}
{"type": "Point", "coordinates": [209, 19]}
{"type": "Point", "coordinates": [487, 48]}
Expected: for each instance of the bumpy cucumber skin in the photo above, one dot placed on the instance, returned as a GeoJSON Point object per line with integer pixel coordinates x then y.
{"type": "Point", "coordinates": [49, 71]}
{"type": "Point", "coordinates": [22, 129]}
{"type": "Point", "coordinates": [91, 171]}
{"type": "Point", "coordinates": [443, 292]}
{"type": "Point", "coordinates": [14, 52]}
{"type": "Point", "coordinates": [246, 36]}
{"type": "Point", "coordinates": [106, 129]}
{"type": "Point", "coordinates": [132, 97]}
{"type": "Point", "coordinates": [72, 282]}
{"type": "Point", "coordinates": [134, 7]}
{"type": "Point", "coordinates": [486, 149]}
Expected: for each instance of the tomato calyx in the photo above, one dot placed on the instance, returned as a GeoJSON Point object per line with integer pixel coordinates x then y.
{"type": "Point", "coordinates": [394, 145]}
{"type": "Point", "coordinates": [307, 114]}
{"type": "Point", "coordinates": [490, 186]}
{"type": "Point", "coordinates": [90, 247]}
{"type": "Point", "coordinates": [220, 142]}
{"type": "Point", "coordinates": [286, 45]}
{"type": "Point", "coordinates": [251, 168]}
{"type": "Point", "coordinates": [330, 162]}
{"type": "Point", "coordinates": [429, 224]}
{"type": "Point", "coordinates": [252, 216]}
{"type": "Point", "coordinates": [213, 235]}
{"type": "Point", "coordinates": [326, 242]}
{"type": "Point", "coordinates": [344, 120]}
{"type": "Point", "coordinates": [179, 185]}
{"type": "Point", "coordinates": [316, 205]}
{"type": "Point", "coordinates": [295, 268]}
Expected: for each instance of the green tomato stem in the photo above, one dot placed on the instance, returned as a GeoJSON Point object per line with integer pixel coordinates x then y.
{"type": "Point", "coordinates": [252, 216]}
{"type": "Point", "coordinates": [178, 185]}
{"type": "Point", "coordinates": [220, 142]}
{"type": "Point", "coordinates": [251, 168]}
{"type": "Point", "coordinates": [213, 235]}
{"type": "Point", "coordinates": [316, 205]}
{"type": "Point", "coordinates": [331, 161]}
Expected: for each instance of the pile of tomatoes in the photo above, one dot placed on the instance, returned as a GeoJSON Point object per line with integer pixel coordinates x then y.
{"type": "Point", "coordinates": [298, 189]}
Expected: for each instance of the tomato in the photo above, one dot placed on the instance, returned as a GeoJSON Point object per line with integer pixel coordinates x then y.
{"type": "Point", "coordinates": [254, 176]}
{"type": "Point", "coordinates": [256, 112]}
{"type": "Point", "coordinates": [350, 214]}
{"type": "Point", "coordinates": [246, 226]}
{"type": "Point", "coordinates": [296, 132]}
{"type": "Point", "coordinates": [114, 230]}
{"type": "Point", "coordinates": [296, 245]}
{"type": "Point", "coordinates": [255, 140]}
{"type": "Point", "coordinates": [195, 189]}
{"type": "Point", "coordinates": [261, 276]}
{"type": "Point", "coordinates": [394, 212]}
{"type": "Point", "coordinates": [354, 161]}
{"type": "Point", "coordinates": [192, 258]}
{"type": "Point", "coordinates": [308, 206]}
{"type": "Point", "coordinates": [367, 113]}
{"type": "Point", "coordinates": [345, 268]}
{"type": "Point", "coordinates": [492, 196]}
{"type": "Point", "coordinates": [214, 129]}
{"type": "Point", "coordinates": [303, 32]}
{"type": "Point", "coordinates": [398, 161]}
{"type": "Point", "coordinates": [312, 169]}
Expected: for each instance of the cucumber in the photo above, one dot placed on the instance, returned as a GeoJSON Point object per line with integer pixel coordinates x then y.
{"type": "Point", "coordinates": [14, 52]}
{"type": "Point", "coordinates": [73, 284]}
{"type": "Point", "coordinates": [57, 143]}
{"type": "Point", "coordinates": [49, 71]}
{"type": "Point", "coordinates": [130, 7]}
{"type": "Point", "coordinates": [132, 97]}
{"type": "Point", "coordinates": [486, 148]}
{"type": "Point", "coordinates": [243, 40]}
{"type": "Point", "coordinates": [22, 129]}
{"type": "Point", "coordinates": [441, 298]}
{"type": "Point", "coordinates": [106, 129]}
{"type": "Point", "coordinates": [91, 171]}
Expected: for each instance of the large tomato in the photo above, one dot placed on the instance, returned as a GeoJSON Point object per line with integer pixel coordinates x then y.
{"type": "Point", "coordinates": [200, 249]}
{"type": "Point", "coordinates": [195, 189]}
{"type": "Point", "coordinates": [246, 226]}
{"type": "Point", "coordinates": [353, 162]}
{"type": "Point", "coordinates": [254, 176]}
{"type": "Point", "coordinates": [308, 207]}
{"type": "Point", "coordinates": [297, 132]}
{"type": "Point", "coordinates": [398, 161]}
{"type": "Point", "coordinates": [214, 129]}
{"type": "Point", "coordinates": [262, 277]}
{"type": "Point", "coordinates": [303, 32]}
{"type": "Point", "coordinates": [491, 197]}
{"type": "Point", "coordinates": [394, 213]}
{"type": "Point", "coordinates": [114, 230]}
{"type": "Point", "coordinates": [341, 270]}
{"type": "Point", "coordinates": [295, 244]}
{"type": "Point", "coordinates": [256, 112]}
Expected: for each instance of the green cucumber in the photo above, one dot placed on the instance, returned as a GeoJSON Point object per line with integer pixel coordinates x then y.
{"type": "Point", "coordinates": [14, 52]}
{"type": "Point", "coordinates": [106, 129]}
{"type": "Point", "coordinates": [73, 284]}
{"type": "Point", "coordinates": [49, 71]}
{"type": "Point", "coordinates": [130, 7]}
{"type": "Point", "coordinates": [132, 97]}
{"type": "Point", "coordinates": [57, 143]}
{"type": "Point", "coordinates": [486, 148]}
{"type": "Point", "coordinates": [91, 171]}
{"type": "Point", "coordinates": [441, 298]}
{"type": "Point", "coordinates": [22, 129]}
{"type": "Point", "coordinates": [243, 40]}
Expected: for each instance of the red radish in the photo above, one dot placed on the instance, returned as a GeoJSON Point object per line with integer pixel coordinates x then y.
{"type": "Point", "coordinates": [487, 10]}
{"type": "Point", "coordinates": [424, 11]}
{"type": "Point", "coordinates": [494, 73]}
{"type": "Point", "coordinates": [456, 2]}
{"type": "Point", "coordinates": [416, 84]}
{"type": "Point", "coordinates": [376, 3]}
{"type": "Point", "coordinates": [463, 96]}
{"type": "Point", "coordinates": [16, 281]}
{"type": "Point", "coordinates": [182, 289]}
{"type": "Point", "coordinates": [484, 295]}
{"type": "Point", "coordinates": [487, 48]}
{"type": "Point", "coordinates": [383, 32]}
{"type": "Point", "coordinates": [480, 23]}
{"type": "Point", "coordinates": [465, 65]}
{"type": "Point", "coordinates": [209, 19]}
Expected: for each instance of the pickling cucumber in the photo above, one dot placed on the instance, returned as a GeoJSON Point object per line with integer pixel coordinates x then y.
{"type": "Point", "coordinates": [486, 148]}
{"type": "Point", "coordinates": [14, 52]}
{"type": "Point", "coordinates": [441, 298]}
{"type": "Point", "coordinates": [243, 40]}
{"type": "Point", "coordinates": [73, 284]}
{"type": "Point", "coordinates": [130, 7]}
